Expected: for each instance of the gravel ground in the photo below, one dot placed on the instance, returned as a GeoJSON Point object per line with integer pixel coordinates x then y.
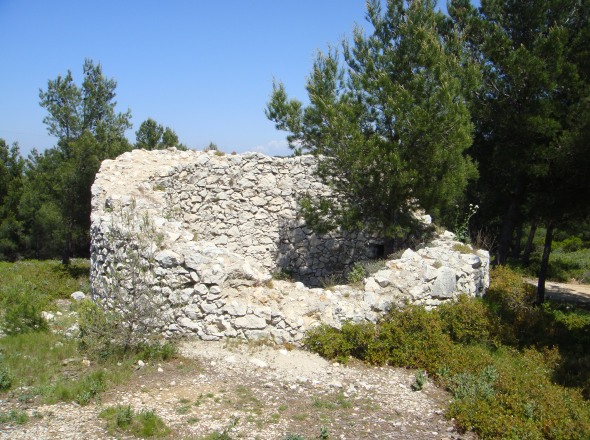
{"type": "Point", "coordinates": [257, 392]}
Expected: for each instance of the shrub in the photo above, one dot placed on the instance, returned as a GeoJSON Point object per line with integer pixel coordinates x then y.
{"type": "Point", "coordinates": [419, 381]}
{"type": "Point", "coordinates": [5, 378]}
{"type": "Point", "coordinates": [467, 320]}
{"type": "Point", "coordinates": [81, 391]}
{"type": "Point", "coordinates": [350, 340]}
{"type": "Point", "coordinates": [22, 305]}
{"type": "Point", "coordinates": [357, 274]}
{"type": "Point", "coordinates": [124, 319]}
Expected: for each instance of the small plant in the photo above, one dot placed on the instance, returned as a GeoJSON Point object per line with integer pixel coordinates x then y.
{"type": "Point", "coordinates": [282, 275]}
{"type": "Point", "coordinates": [324, 434]}
{"type": "Point", "coordinates": [5, 379]}
{"type": "Point", "coordinates": [123, 419]}
{"type": "Point", "coordinates": [357, 274]}
{"type": "Point", "coordinates": [462, 226]}
{"type": "Point", "coordinates": [419, 381]}
{"type": "Point", "coordinates": [463, 248]}
{"type": "Point", "coordinates": [17, 416]}
{"type": "Point", "coordinates": [475, 386]}
{"type": "Point", "coordinates": [293, 437]}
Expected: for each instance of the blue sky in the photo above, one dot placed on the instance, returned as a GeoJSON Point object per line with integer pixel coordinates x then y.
{"type": "Point", "coordinates": [203, 68]}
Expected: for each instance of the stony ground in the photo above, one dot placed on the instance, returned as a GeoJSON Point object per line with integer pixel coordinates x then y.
{"type": "Point", "coordinates": [257, 392]}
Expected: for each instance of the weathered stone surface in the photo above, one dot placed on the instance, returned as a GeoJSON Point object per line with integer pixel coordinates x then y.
{"type": "Point", "coordinates": [168, 258]}
{"type": "Point", "coordinates": [250, 322]}
{"type": "Point", "coordinates": [78, 296]}
{"type": "Point", "coordinates": [206, 231]}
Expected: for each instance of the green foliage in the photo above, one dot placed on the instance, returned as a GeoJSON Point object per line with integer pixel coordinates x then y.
{"type": "Point", "coordinates": [122, 419]}
{"type": "Point", "coordinates": [515, 370]}
{"type": "Point", "coordinates": [11, 181]}
{"type": "Point", "coordinates": [531, 114]}
{"type": "Point", "coordinates": [17, 416]}
{"type": "Point", "coordinates": [5, 378]}
{"type": "Point", "coordinates": [462, 225]}
{"type": "Point", "coordinates": [153, 136]}
{"type": "Point", "coordinates": [391, 126]}
{"type": "Point", "coordinates": [81, 391]}
{"type": "Point", "coordinates": [293, 437]}
{"type": "Point", "coordinates": [21, 309]}
{"type": "Point", "coordinates": [468, 320]}
{"type": "Point", "coordinates": [28, 287]}
{"type": "Point", "coordinates": [88, 131]}
{"type": "Point", "coordinates": [357, 274]}
{"type": "Point", "coordinates": [419, 381]}
{"type": "Point", "coordinates": [282, 275]}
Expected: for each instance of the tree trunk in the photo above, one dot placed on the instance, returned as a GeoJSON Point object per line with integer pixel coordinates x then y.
{"type": "Point", "coordinates": [65, 259]}
{"type": "Point", "coordinates": [544, 264]}
{"type": "Point", "coordinates": [510, 221]}
{"type": "Point", "coordinates": [516, 245]}
{"type": "Point", "coordinates": [507, 232]}
{"type": "Point", "coordinates": [528, 248]}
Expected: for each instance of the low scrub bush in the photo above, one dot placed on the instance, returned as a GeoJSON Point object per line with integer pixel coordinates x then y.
{"type": "Point", "coordinates": [468, 320]}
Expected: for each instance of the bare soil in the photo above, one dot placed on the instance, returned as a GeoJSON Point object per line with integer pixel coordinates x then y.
{"type": "Point", "coordinates": [256, 392]}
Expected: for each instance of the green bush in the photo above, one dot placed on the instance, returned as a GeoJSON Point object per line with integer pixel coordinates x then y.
{"type": "Point", "coordinates": [5, 378]}
{"type": "Point", "coordinates": [22, 305]}
{"type": "Point", "coordinates": [468, 320]}
{"type": "Point", "coordinates": [357, 274]}
{"type": "Point", "coordinates": [570, 244]}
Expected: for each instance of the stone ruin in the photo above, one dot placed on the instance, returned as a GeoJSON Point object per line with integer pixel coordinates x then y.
{"type": "Point", "coordinates": [199, 236]}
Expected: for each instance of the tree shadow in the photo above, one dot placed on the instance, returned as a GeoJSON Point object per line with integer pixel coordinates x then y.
{"type": "Point", "coordinates": [317, 259]}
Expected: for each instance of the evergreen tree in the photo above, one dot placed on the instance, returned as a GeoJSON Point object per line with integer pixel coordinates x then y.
{"type": "Point", "coordinates": [89, 131]}
{"type": "Point", "coordinates": [531, 115]}
{"type": "Point", "coordinates": [11, 176]}
{"type": "Point", "coordinates": [153, 136]}
{"type": "Point", "coordinates": [391, 127]}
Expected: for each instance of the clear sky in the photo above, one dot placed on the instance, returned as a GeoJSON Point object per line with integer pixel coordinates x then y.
{"type": "Point", "coordinates": [204, 68]}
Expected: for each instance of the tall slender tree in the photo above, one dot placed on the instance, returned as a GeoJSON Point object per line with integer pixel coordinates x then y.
{"type": "Point", "coordinates": [88, 130]}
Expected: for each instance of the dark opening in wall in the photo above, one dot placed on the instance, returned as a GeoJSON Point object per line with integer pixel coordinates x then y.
{"type": "Point", "coordinates": [376, 251]}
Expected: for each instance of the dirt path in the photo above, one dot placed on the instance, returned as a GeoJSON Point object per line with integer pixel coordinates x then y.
{"type": "Point", "coordinates": [575, 293]}
{"type": "Point", "coordinates": [258, 393]}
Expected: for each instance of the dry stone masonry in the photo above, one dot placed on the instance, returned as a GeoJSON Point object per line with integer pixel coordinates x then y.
{"type": "Point", "coordinates": [198, 236]}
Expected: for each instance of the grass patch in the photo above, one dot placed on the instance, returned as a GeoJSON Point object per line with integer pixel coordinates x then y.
{"type": "Point", "coordinates": [17, 416]}
{"type": "Point", "coordinates": [51, 368]}
{"type": "Point", "coordinates": [122, 419]}
{"type": "Point", "coordinates": [49, 276]}
{"type": "Point", "coordinates": [515, 370]}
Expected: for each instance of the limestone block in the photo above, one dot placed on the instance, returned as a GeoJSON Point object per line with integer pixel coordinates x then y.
{"type": "Point", "coordinates": [235, 309]}
{"type": "Point", "coordinates": [250, 322]}
{"type": "Point", "coordinates": [188, 323]}
{"type": "Point", "coordinates": [445, 283]}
